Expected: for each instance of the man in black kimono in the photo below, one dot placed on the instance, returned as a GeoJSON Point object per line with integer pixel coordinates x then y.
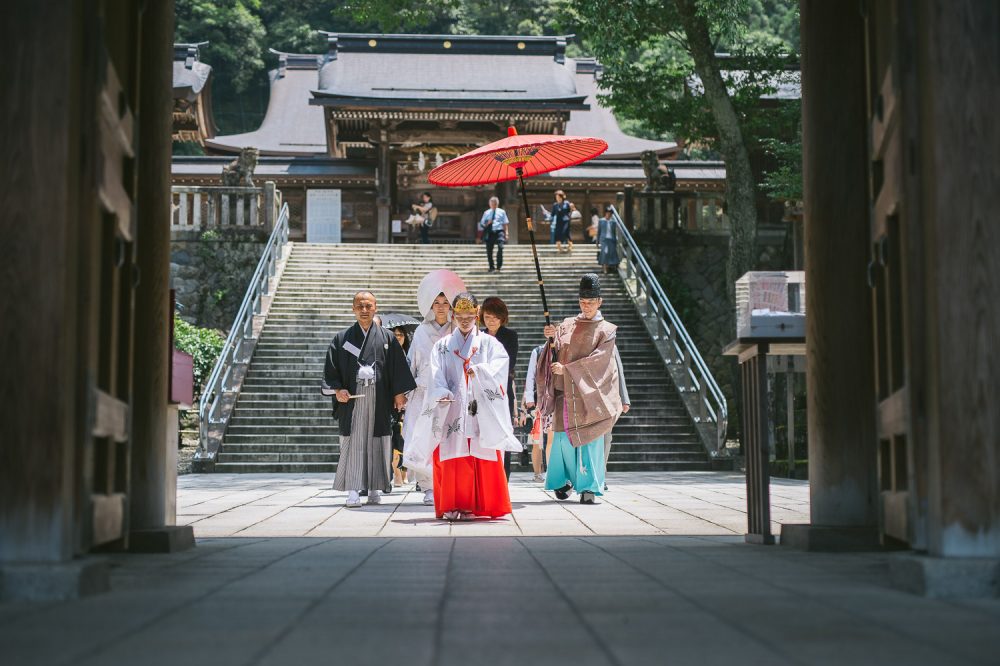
{"type": "Point", "coordinates": [367, 375]}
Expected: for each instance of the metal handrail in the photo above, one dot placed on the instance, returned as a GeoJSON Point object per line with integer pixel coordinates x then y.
{"type": "Point", "coordinates": [652, 302]}
{"type": "Point", "coordinates": [237, 349]}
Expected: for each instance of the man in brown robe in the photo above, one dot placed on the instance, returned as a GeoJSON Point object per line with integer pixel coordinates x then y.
{"type": "Point", "coordinates": [581, 390]}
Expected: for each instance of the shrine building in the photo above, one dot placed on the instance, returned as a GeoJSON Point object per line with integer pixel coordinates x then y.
{"type": "Point", "coordinates": [364, 123]}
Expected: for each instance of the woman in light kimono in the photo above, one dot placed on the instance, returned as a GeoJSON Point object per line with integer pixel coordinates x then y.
{"type": "Point", "coordinates": [434, 296]}
{"type": "Point", "coordinates": [471, 421]}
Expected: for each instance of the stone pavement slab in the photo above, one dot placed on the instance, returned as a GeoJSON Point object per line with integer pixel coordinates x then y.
{"type": "Point", "coordinates": [637, 503]}
{"type": "Point", "coordinates": [442, 601]}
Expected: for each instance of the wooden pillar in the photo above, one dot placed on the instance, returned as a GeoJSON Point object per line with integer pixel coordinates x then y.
{"type": "Point", "coordinates": [839, 346]}
{"type": "Point", "coordinates": [510, 201]}
{"type": "Point", "coordinates": [384, 192]}
{"type": "Point", "coordinates": [153, 491]}
{"type": "Point", "coordinates": [957, 180]}
{"type": "Point", "coordinates": [40, 387]}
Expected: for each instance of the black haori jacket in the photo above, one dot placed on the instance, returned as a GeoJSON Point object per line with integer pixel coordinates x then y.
{"type": "Point", "coordinates": [392, 374]}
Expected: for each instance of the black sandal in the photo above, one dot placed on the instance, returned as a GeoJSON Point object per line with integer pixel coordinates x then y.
{"type": "Point", "coordinates": [563, 493]}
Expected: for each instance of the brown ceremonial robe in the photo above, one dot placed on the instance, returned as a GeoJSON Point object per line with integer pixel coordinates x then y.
{"type": "Point", "coordinates": [587, 395]}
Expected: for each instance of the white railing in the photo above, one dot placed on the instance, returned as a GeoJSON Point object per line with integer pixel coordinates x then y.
{"type": "Point", "coordinates": [212, 207]}
{"type": "Point", "coordinates": [690, 373]}
{"type": "Point", "coordinates": [213, 409]}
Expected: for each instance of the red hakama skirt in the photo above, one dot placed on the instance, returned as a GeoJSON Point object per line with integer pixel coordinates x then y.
{"type": "Point", "coordinates": [470, 484]}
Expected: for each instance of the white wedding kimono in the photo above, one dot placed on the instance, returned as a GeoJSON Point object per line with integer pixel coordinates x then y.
{"type": "Point", "coordinates": [417, 450]}
{"type": "Point", "coordinates": [449, 424]}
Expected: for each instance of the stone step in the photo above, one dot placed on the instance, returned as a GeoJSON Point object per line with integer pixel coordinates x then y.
{"type": "Point", "coordinates": [328, 468]}
{"type": "Point", "coordinates": [282, 424]}
{"type": "Point", "coordinates": [331, 445]}
{"type": "Point", "coordinates": [334, 457]}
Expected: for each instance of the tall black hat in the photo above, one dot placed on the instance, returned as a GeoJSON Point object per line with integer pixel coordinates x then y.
{"type": "Point", "coordinates": [590, 286]}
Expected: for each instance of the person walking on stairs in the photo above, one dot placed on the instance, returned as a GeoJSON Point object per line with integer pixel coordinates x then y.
{"type": "Point", "coordinates": [561, 222]}
{"type": "Point", "coordinates": [581, 391]}
{"type": "Point", "coordinates": [367, 375]}
{"type": "Point", "coordinates": [471, 419]}
{"type": "Point", "coordinates": [434, 295]}
{"type": "Point", "coordinates": [607, 239]}
{"type": "Point", "coordinates": [494, 227]}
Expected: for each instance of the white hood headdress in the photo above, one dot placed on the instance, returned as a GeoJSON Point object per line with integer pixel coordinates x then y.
{"type": "Point", "coordinates": [438, 281]}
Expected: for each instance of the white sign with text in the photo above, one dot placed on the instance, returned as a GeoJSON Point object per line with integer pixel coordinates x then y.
{"type": "Point", "coordinates": [323, 216]}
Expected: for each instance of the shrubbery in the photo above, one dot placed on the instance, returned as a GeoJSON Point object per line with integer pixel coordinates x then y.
{"type": "Point", "coordinates": [204, 344]}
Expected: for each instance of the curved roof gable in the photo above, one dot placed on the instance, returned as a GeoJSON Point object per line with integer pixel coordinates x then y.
{"type": "Point", "coordinates": [290, 126]}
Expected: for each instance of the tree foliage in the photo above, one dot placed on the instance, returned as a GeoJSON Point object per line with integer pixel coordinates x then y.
{"type": "Point", "coordinates": [649, 73]}
{"type": "Point", "coordinates": [235, 34]}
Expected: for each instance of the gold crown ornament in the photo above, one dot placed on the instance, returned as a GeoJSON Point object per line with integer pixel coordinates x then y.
{"type": "Point", "coordinates": [465, 306]}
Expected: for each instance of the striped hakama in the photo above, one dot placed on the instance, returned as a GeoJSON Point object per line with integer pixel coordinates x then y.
{"type": "Point", "coordinates": [365, 460]}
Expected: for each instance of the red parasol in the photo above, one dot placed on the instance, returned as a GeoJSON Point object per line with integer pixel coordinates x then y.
{"type": "Point", "coordinates": [514, 158]}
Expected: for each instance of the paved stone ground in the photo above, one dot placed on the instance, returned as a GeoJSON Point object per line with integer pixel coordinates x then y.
{"type": "Point", "coordinates": [648, 503]}
{"type": "Point", "coordinates": [675, 600]}
{"type": "Point", "coordinates": [650, 595]}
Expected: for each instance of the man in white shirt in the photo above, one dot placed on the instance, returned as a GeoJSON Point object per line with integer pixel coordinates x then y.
{"type": "Point", "coordinates": [494, 227]}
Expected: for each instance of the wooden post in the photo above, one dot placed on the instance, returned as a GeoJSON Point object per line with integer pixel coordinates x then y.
{"type": "Point", "coordinates": [628, 210]}
{"type": "Point", "coordinates": [383, 198]}
{"type": "Point", "coordinates": [840, 357]}
{"type": "Point", "coordinates": [153, 495]}
{"type": "Point", "coordinates": [753, 368]}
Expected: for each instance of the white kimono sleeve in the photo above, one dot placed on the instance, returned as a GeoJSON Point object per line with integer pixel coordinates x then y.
{"type": "Point", "coordinates": [418, 451]}
{"type": "Point", "coordinates": [529, 380]}
{"type": "Point", "coordinates": [496, 431]}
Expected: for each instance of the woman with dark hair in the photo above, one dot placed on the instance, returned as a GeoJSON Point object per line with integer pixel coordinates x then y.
{"type": "Point", "coordinates": [423, 215]}
{"type": "Point", "coordinates": [493, 317]}
{"type": "Point", "coordinates": [560, 222]}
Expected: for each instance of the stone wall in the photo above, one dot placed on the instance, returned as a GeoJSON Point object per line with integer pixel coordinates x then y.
{"type": "Point", "coordinates": [691, 266]}
{"type": "Point", "coordinates": [210, 270]}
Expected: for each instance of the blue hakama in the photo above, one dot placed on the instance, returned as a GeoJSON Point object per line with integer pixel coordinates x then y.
{"type": "Point", "coordinates": [581, 467]}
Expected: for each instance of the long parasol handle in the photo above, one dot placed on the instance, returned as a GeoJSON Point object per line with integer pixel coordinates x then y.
{"type": "Point", "coordinates": [534, 250]}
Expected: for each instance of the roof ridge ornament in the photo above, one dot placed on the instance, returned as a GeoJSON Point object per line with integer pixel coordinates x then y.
{"type": "Point", "coordinates": [189, 52]}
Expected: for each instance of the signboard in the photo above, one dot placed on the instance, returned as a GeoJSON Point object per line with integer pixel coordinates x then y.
{"type": "Point", "coordinates": [323, 216]}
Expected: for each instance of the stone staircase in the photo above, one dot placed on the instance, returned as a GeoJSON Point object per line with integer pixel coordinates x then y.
{"type": "Point", "coordinates": [281, 423]}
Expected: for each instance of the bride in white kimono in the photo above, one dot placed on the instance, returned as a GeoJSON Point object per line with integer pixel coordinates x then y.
{"type": "Point", "coordinates": [437, 289]}
{"type": "Point", "coordinates": [468, 415]}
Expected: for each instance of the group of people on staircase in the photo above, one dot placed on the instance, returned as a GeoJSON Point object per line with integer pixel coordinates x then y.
{"type": "Point", "coordinates": [494, 224]}
{"type": "Point", "coordinates": [454, 388]}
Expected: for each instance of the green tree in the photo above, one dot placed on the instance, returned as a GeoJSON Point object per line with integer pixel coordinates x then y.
{"type": "Point", "coordinates": [661, 67]}
{"type": "Point", "coordinates": [467, 17]}
{"type": "Point", "coordinates": [235, 34]}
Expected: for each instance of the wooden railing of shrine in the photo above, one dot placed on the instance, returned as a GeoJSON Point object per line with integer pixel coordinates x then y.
{"type": "Point", "coordinates": [199, 208]}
